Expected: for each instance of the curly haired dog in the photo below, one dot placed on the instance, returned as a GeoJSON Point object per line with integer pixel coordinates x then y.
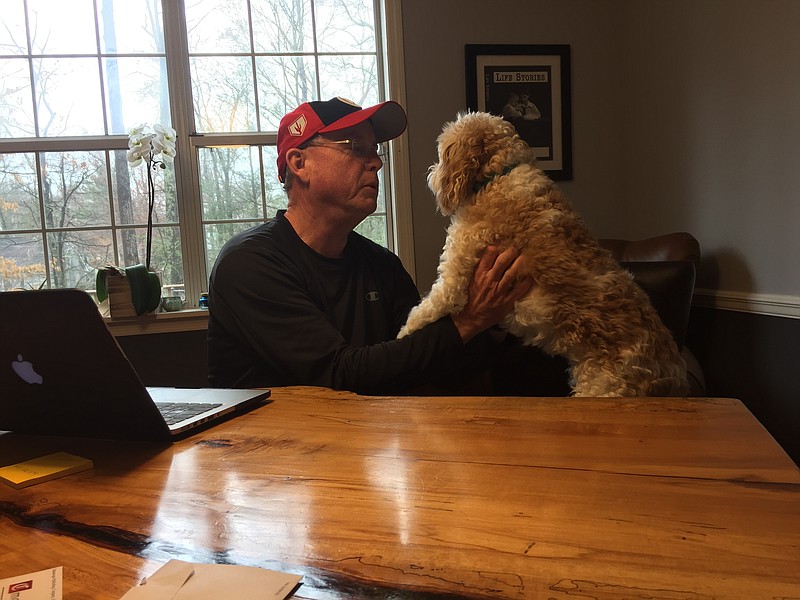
{"type": "Point", "coordinates": [583, 305]}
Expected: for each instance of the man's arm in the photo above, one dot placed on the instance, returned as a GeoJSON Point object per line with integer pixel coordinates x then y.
{"type": "Point", "coordinates": [289, 340]}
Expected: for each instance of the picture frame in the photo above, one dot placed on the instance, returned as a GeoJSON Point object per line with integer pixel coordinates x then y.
{"type": "Point", "coordinates": [530, 86]}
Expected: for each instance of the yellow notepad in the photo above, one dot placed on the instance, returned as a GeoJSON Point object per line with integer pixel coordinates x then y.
{"type": "Point", "coordinates": [42, 469]}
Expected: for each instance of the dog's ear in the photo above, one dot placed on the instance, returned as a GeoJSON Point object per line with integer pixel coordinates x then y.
{"type": "Point", "coordinates": [453, 178]}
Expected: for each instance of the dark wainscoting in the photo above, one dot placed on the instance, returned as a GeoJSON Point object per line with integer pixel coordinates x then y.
{"type": "Point", "coordinates": [168, 359]}
{"type": "Point", "coordinates": [754, 358]}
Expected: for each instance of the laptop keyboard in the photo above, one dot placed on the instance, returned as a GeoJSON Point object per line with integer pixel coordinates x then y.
{"type": "Point", "coordinates": [175, 412]}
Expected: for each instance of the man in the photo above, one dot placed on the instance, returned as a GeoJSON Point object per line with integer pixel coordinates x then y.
{"type": "Point", "coordinates": [304, 300]}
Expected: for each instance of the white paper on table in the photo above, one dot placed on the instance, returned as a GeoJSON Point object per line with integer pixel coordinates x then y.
{"type": "Point", "coordinates": [179, 580]}
{"type": "Point", "coordinates": [42, 585]}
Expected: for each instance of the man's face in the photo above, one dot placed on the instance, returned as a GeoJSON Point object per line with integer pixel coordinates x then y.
{"type": "Point", "coordinates": [344, 175]}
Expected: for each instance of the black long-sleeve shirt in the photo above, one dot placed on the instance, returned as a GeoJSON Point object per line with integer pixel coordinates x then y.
{"type": "Point", "coordinates": [282, 314]}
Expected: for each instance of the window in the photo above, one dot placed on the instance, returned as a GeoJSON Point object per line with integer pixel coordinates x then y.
{"type": "Point", "coordinates": [76, 76]}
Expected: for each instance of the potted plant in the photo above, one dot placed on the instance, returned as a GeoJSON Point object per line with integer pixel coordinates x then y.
{"type": "Point", "coordinates": [137, 286]}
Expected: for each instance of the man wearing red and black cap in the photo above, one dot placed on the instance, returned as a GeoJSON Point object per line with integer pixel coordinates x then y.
{"type": "Point", "coordinates": [304, 300]}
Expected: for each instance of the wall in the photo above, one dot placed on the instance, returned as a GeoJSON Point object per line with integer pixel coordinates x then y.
{"type": "Point", "coordinates": [434, 36]}
{"type": "Point", "coordinates": [712, 129]}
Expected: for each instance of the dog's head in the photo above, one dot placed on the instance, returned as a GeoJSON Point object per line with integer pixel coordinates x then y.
{"type": "Point", "coordinates": [474, 148]}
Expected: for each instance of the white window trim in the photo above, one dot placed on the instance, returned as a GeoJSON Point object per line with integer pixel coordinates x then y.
{"type": "Point", "coordinates": [187, 174]}
{"type": "Point", "coordinates": [401, 222]}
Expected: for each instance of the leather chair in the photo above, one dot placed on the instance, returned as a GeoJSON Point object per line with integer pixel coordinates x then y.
{"type": "Point", "coordinates": [665, 267]}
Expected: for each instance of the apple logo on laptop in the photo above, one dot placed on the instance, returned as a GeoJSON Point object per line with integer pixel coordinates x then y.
{"type": "Point", "coordinates": [25, 370]}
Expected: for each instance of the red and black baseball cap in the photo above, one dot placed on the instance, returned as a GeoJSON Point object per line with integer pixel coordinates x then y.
{"type": "Point", "coordinates": [310, 118]}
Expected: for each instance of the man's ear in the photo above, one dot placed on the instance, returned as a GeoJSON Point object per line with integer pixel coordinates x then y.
{"type": "Point", "coordinates": [296, 162]}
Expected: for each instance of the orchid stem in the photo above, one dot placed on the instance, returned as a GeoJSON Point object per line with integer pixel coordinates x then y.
{"type": "Point", "coordinates": [151, 194]}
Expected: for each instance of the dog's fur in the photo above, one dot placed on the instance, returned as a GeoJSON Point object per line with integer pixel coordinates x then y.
{"type": "Point", "coordinates": [583, 305]}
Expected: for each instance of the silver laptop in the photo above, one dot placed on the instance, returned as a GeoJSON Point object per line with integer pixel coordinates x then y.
{"type": "Point", "coordinates": [63, 373]}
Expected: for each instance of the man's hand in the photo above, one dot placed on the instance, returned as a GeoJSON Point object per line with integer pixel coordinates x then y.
{"type": "Point", "coordinates": [498, 282]}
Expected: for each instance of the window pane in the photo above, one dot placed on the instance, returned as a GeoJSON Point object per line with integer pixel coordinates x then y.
{"type": "Point", "coordinates": [131, 197]}
{"type": "Point", "coordinates": [230, 183]}
{"type": "Point", "coordinates": [68, 97]}
{"type": "Point", "coordinates": [374, 228]}
{"type": "Point", "coordinates": [284, 82]}
{"type": "Point", "coordinates": [131, 26]}
{"type": "Point", "coordinates": [136, 92]}
{"type": "Point", "coordinates": [166, 256]}
{"type": "Point", "coordinates": [21, 262]}
{"type": "Point", "coordinates": [381, 192]}
{"type": "Point", "coordinates": [12, 33]}
{"type": "Point", "coordinates": [283, 26]}
{"type": "Point", "coordinates": [19, 193]}
{"type": "Point", "coordinates": [217, 26]}
{"type": "Point", "coordinates": [276, 197]}
{"type": "Point", "coordinates": [350, 76]}
{"type": "Point", "coordinates": [49, 35]}
{"type": "Point", "coordinates": [76, 255]}
{"type": "Point", "coordinates": [75, 189]}
{"type": "Point", "coordinates": [16, 108]}
{"type": "Point", "coordinates": [222, 88]}
{"type": "Point", "coordinates": [345, 26]}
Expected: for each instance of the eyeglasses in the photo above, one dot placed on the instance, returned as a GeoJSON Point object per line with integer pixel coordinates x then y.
{"type": "Point", "coordinates": [358, 148]}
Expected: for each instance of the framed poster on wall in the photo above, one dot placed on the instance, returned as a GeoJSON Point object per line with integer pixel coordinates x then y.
{"type": "Point", "coordinates": [528, 85]}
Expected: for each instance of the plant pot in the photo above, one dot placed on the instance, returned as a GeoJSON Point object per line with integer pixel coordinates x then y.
{"type": "Point", "coordinates": [120, 303]}
{"type": "Point", "coordinates": [131, 292]}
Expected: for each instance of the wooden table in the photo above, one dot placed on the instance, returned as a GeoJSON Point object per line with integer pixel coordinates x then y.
{"type": "Point", "coordinates": [399, 497]}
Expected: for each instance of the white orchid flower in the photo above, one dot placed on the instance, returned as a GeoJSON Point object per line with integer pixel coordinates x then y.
{"type": "Point", "coordinates": [137, 131]}
{"type": "Point", "coordinates": [168, 154]}
{"type": "Point", "coordinates": [134, 156]}
{"type": "Point", "coordinates": [154, 144]}
{"type": "Point", "coordinates": [159, 143]}
{"type": "Point", "coordinates": [167, 133]}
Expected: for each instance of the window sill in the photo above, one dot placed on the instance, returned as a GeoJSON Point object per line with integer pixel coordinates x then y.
{"type": "Point", "coordinates": [166, 322]}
